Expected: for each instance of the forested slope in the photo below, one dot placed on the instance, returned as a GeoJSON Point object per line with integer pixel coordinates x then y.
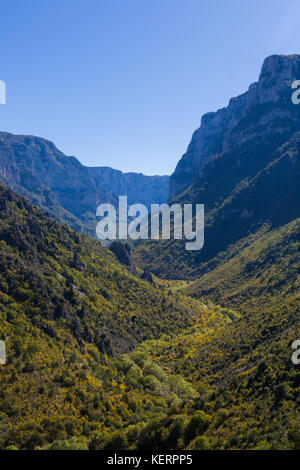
{"type": "Point", "coordinates": [68, 313]}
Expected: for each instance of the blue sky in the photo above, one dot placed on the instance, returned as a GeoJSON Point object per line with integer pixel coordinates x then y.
{"type": "Point", "coordinates": [124, 83]}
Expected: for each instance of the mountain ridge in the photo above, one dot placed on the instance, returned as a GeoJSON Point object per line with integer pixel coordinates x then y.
{"type": "Point", "coordinates": [70, 191]}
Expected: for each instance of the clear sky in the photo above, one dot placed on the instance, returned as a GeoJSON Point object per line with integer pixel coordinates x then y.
{"type": "Point", "coordinates": [124, 83]}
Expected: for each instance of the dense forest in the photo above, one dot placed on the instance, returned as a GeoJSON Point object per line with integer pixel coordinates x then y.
{"type": "Point", "coordinates": [98, 358]}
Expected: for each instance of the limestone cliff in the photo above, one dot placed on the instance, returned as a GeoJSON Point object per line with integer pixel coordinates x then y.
{"type": "Point", "coordinates": [263, 113]}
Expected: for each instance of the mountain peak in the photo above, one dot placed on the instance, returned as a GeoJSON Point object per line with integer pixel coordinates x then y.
{"type": "Point", "coordinates": [276, 65]}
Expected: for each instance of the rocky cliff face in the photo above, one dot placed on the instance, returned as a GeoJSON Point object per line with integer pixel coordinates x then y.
{"type": "Point", "coordinates": [64, 187]}
{"type": "Point", "coordinates": [261, 114]}
{"type": "Point", "coordinates": [35, 168]}
{"type": "Point", "coordinates": [137, 187]}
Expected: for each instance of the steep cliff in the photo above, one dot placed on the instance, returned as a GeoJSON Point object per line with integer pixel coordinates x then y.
{"type": "Point", "coordinates": [264, 112]}
{"type": "Point", "coordinates": [137, 187]}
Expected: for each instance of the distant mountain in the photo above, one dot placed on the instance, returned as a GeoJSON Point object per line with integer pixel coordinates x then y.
{"type": "Point", "coordinates": [244, 165]}
{"type": "Point", "coordinates": [64, 187]}
{"type": "Point", "coordinates": [137, 187]}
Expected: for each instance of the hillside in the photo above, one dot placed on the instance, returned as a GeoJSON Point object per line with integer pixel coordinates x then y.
{"type": "Point", "coordinates": [244, 372]}
{"type": "Point", "coordinates": [99, 359]}
{"type": "Point", "coordinates": [68, 313]}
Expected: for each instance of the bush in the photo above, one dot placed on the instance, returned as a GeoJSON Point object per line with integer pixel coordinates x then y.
{"type": "Point", "coordinates": [199, 422]}
{"type": "Point", "coordinates": [109, 441]}
{"type": "Point", "coordinates": [199, 443]}
{"type": "Point", "coordinates": [75, 443]}
{"type": "Point", "coordinates": [263, 445]}
{"type": "Point", "coordinates": [176, 431]}
{"type": "Point", "coordinates": [151, 383]}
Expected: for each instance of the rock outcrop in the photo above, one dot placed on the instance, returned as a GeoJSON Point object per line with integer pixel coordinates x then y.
{"type": "Point", "coordinates": [123, 254]}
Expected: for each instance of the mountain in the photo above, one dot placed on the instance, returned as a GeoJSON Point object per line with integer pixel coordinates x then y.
{"type": "Point", "coordinates": [263, 113]}
{"type": "Point", "coordinates": [64, 187]}
{"type": "Point", "coordinates": [251, 182]}
{"type": "Point", "coordinates": [244, 165]}
{"type": "Point", "coordinates": [100, 359]}
{"type": "Point", "coordinates": [137, 187]}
